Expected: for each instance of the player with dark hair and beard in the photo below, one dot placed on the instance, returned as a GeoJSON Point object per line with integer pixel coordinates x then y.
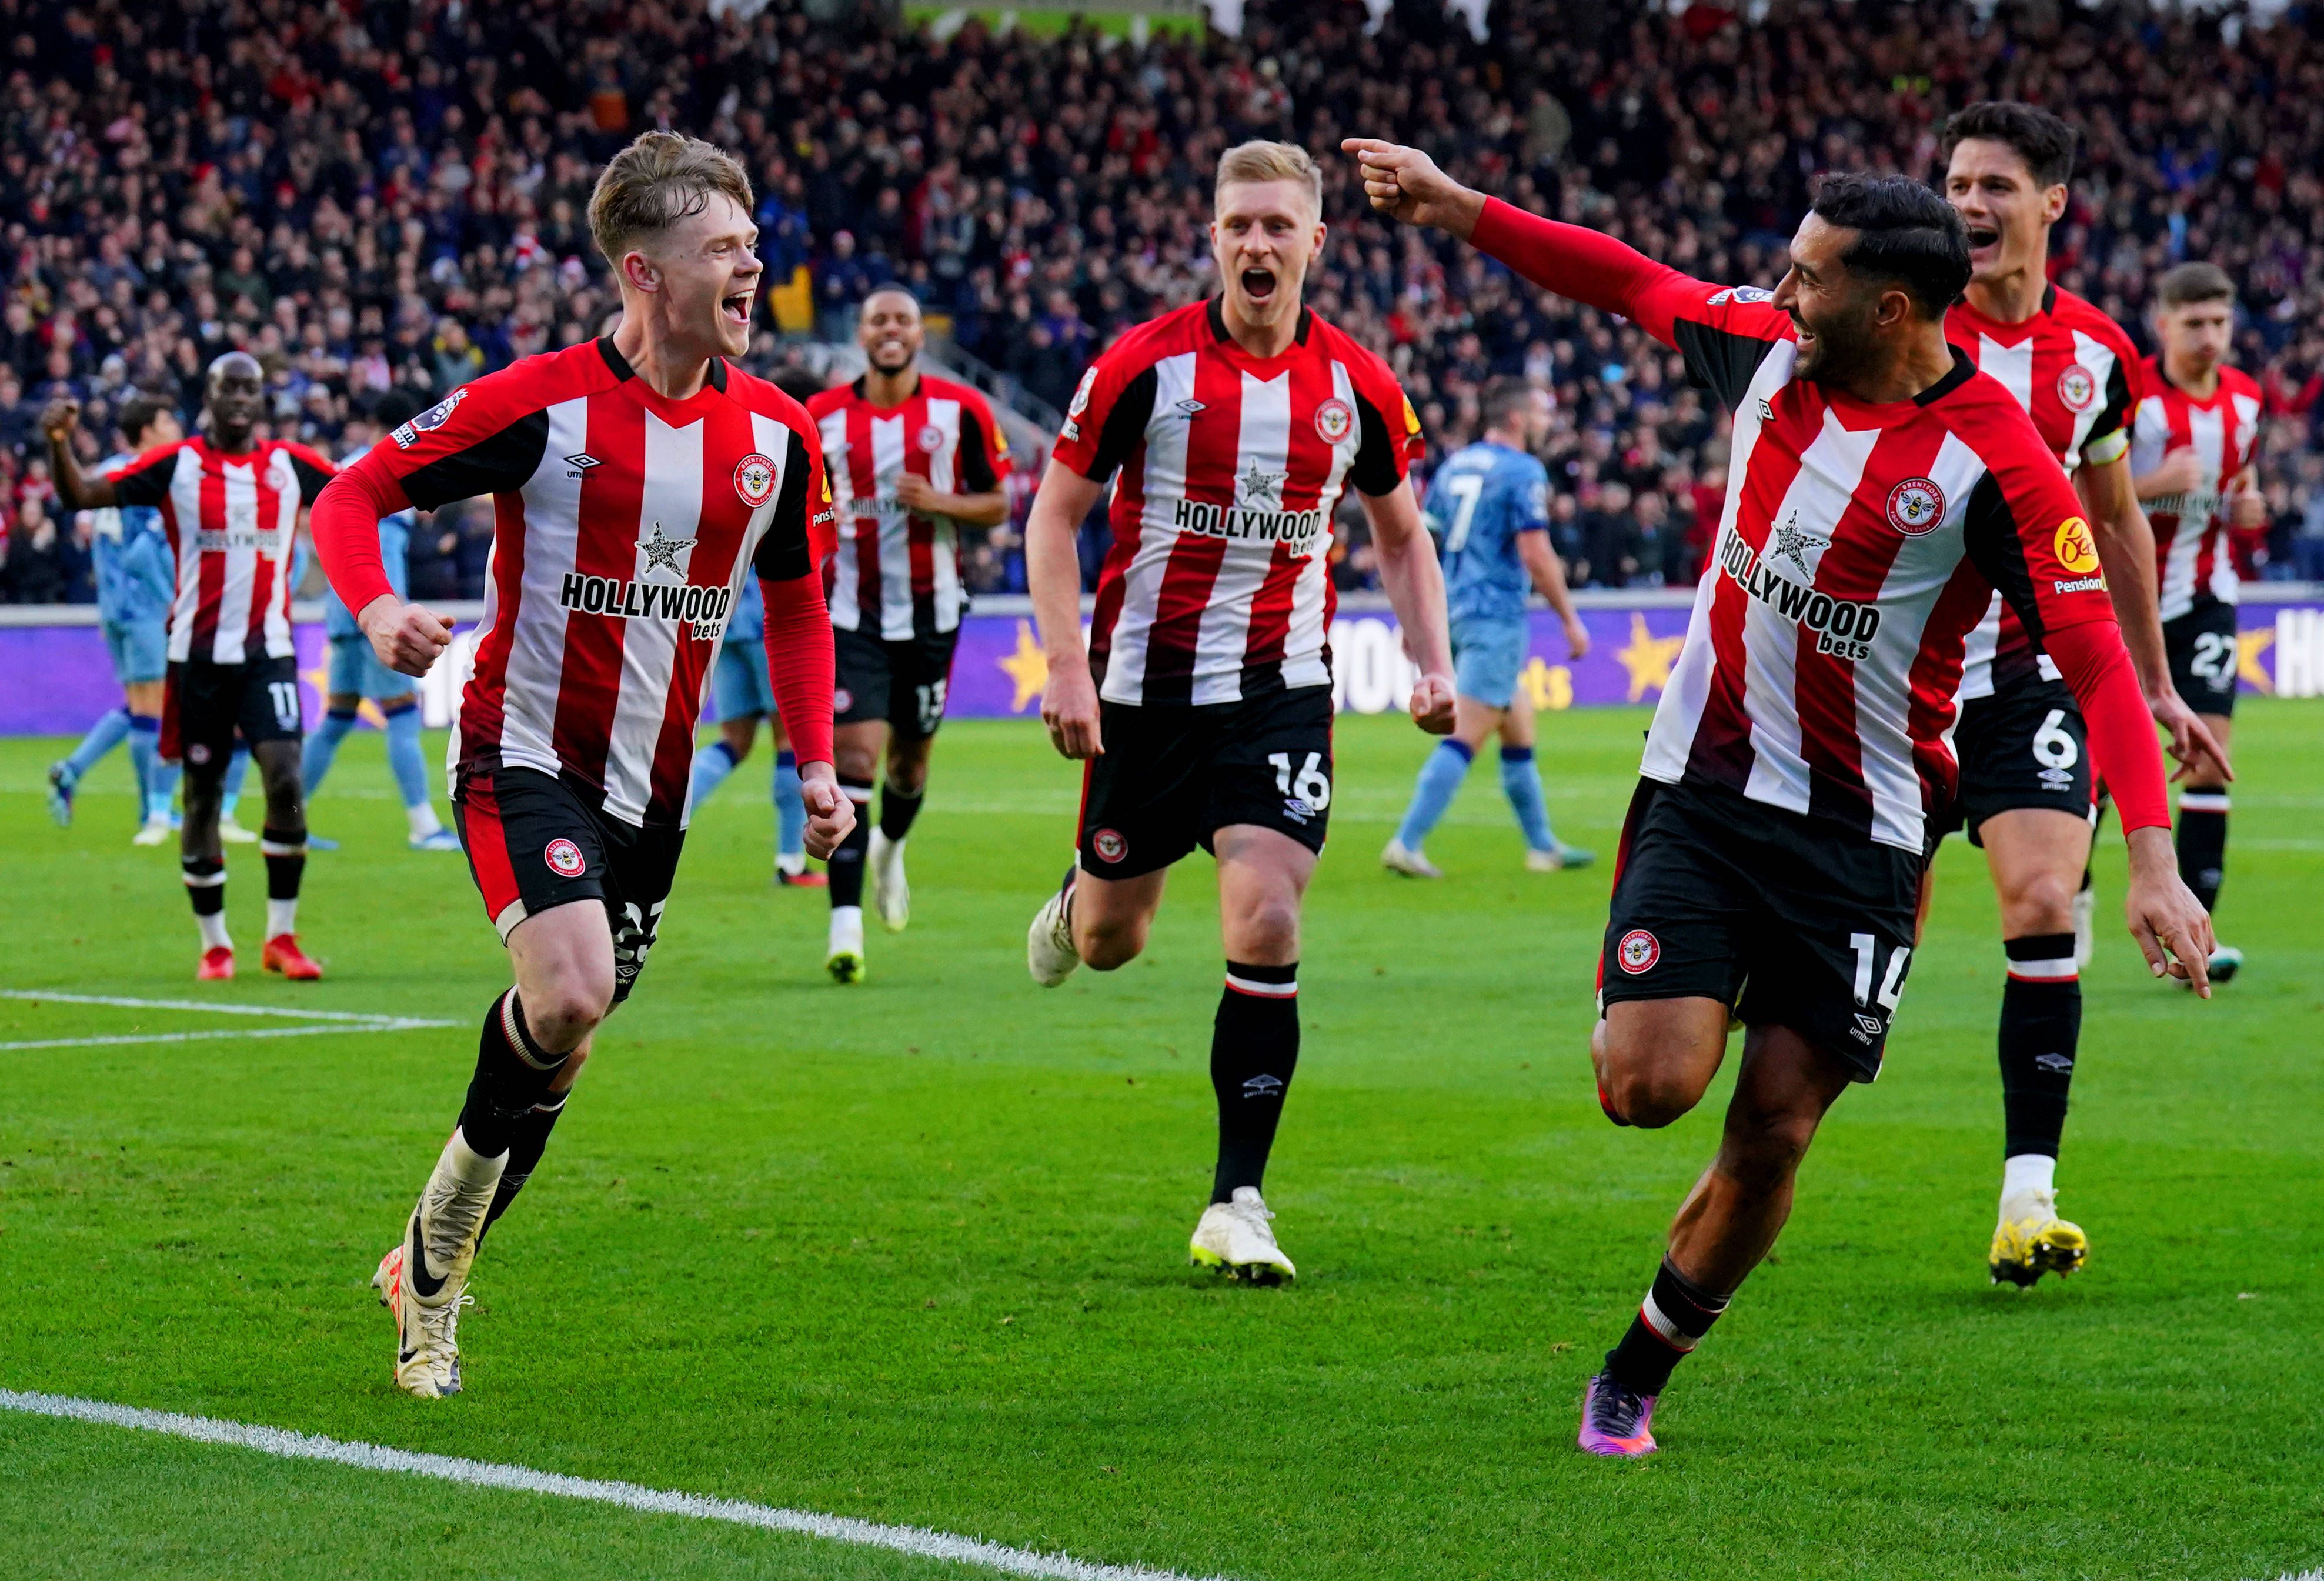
{"type": "Point", "coordinates": [1798, 765]}
{"type": "Point", "coordinates": [914, 459]}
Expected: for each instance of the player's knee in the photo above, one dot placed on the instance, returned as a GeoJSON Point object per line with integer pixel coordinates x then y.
{"type": "Point", "coordinates": [1106, 944]}
{"type": "Point", "coordinates": [567, 1006]}
{"type": "Point", "coordinates": [1269, 931]}
{"type": "Point", "coordinates": [1651, 1095]}
{"type": "Point", "coordinates": [2043, 902]}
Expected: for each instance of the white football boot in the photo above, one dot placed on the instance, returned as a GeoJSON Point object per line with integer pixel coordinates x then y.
{"type": "Point", "coordinates": [1399, 857]}
{"type": "Point", "coordinates": [844, 958]}
{"type": "Point", "coordinates": [441, 1236]}
{"type": "Point", "coordinates": [891, 897]}
{"type": "Point", "coordinates": [1049, 952]}
{"type": "Point", "coordinates": [1235, 1236]}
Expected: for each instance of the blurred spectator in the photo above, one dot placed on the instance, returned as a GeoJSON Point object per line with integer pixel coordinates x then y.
{"type": "Point", "coordinates": [39, 562]}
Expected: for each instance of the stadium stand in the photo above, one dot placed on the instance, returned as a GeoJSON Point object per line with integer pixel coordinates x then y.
{"type": "Point", "coordinates": [394, 194]}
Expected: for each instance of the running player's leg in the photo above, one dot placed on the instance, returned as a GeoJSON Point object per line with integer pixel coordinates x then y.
{"type": "Point", "coordinates": [111, 729]}
{"type": "Point", "coordinates": [196, 730]}
{"type": "Point", "coordinates": [406, 760]}
{"type": "Point", "coordinates": [1447, 764]}
{"type": "Point", "coordinates": [543, 867]}
{"type": "Point", "coordinates": [790, 812]}
{"type": "Point", "coordinates": [738, 690]}
{"type": "Point", "coordinates": [1521, 784]}
{"type": "Point", "coordinates": [270, 720]}
{"type": "Point", "coordinates": [321, 748]}
{"type": "Point", "coordinates": [921, 678]}
{"type": "Point", "coordinates": [2036, 855]}
{"type": "Point", "coordinates": [2201, 646]}
{"type": "Point", "coordinates": [1263, 877]}
{"type": "Point", "coordinates": [144, 699]}
{"type": "Point", "coordinates": [162, 790]}
{"type": "Point", "coordinates": [862, 667]}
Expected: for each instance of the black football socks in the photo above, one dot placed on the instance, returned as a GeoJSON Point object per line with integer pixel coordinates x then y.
{"type": "Point", "coordinates": [2203, 843]}
{"type": "Point", "coordinates": [1671, 1321]}
{"type": "Point", "coordinates": [846, 863]}
{"type": "Point", "coordinates": [1254, 1050]}
{"type": "Point", "coordinates": [898, 809]}
{"type": "Point", "coordinates": [2040, 1029]}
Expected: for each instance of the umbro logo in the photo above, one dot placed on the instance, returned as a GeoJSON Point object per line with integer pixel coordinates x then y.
{"type": "Point", "coordinates": [1188, 407]}
{"type": "Point", "coordinates": [1867, 1028]}
{"type": "Point", "coordinates": [1262, 1087]}
{"type": "Point", "coordinates": [1766, 409]}
{"type": "Point", "coordinates": [580, 461]}
{"type": "Point", "coordinates": [2055, 1064]}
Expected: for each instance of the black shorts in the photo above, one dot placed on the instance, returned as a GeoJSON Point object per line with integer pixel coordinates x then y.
{"type": "Point", "coordinates": [536, 841]}
{"type": "Point", "coordinates": [1787, 920]}
{"type": "Point", "coordinates": [2201, 645]}
{"type": "Point", "coordinates": [1173, 775]}
{"type": "Point", "coordinates": [902, 683]}
{"type": "Point", "coordinates": [2024, 746]}
{"type": "Point", "coordinates": [204, 706]}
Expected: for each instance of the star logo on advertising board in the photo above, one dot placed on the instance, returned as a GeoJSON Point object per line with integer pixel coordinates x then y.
{"type": "Point", "coordinates": [1648, 657]}
{"type": "Point", "coordinates": [1027, 668]}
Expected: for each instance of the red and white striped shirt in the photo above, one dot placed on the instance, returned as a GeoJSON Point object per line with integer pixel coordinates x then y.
{"type": "Point", "coordinates": [231, 521]}
{"type": "Point", "coordinates": [2192, 563]}
{"type": "Point", "coordinates": [1858, 547]}
{"type": "Point", "coordinates": [1217, 586]}
{"type": "Point", "coordinates": [2076, 375]}
{"type": "Point", "coordinates": [623, 524]}
{"type": "Point", "coordinates": [896, 575]}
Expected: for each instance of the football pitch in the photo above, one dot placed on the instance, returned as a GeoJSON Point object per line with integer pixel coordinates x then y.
{"type": "Point", "coordinates": [914, 1251]}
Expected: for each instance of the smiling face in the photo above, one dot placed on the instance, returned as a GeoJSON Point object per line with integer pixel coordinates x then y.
{"type": "Point", "coordinates": [1833, 313]}
{"type": "Point", "coordinates": [890, 331]}
{"type": "Point", "coordinates": [2196, 336]}
{"type": "Point", "coordinates": [237, 394]}
{"type": "Point", "coordinates": [702, 276]}
{"type": "Point", "coordinates": [2008, 215]}
{"type": "Point", "coordinates": [1263, 235]}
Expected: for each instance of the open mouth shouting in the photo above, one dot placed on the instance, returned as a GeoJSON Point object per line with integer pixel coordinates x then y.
{"type": "Point", "coordinates": [1258, 284]}
{"type": "Point", "coordinates": [736, 309]}
{"type": "Point", "coordinates": [1983, 236]}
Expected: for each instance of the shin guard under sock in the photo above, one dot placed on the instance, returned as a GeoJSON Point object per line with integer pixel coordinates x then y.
{"type": "Point", "coordinates": [2040, 1029]}
{"type": "Point", "coordinates": [2203, 843]}
{"type": "Point", "coordinates": [847, 860]}
{"type": "Point", "coordinates": [285, 851]}
{"type": "Point", "coordinates": [514, 1073]}
{"type": "Point", "coordinates": [206, 888]}
{"type": "Point", "coordinates": [1254, 1050]}
{"type": "Point", "coordinates": [1671, 1321]}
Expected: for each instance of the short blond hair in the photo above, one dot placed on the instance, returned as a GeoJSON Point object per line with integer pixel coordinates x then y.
{"type": "Point", "coordinates": [656, 182]}
{"type": "Point", "coordinates": [1261, 161]}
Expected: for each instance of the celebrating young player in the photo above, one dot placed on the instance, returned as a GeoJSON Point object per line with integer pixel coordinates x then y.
{"type": "Point", "coordinates": [636, 478]}
{"type": "Point", "coordinates": [135, 584]}
{"type": "Point", "coordinates": [1202, 707]}
{"type": "Point", "coordinates": [1772, 863]}
{"type": "Point", "coordinates": [1488, 508]}
{"type": "Point", "coordinates": [357, 674]}
{"type": "Point", "coordinates": [2025, 772]}
{"type": "Point", "coordinates": [2192, 450]}
{"type": "Point", "coordinates": [912, 460]}
{"type": "Point", "coordinates": [229, 503]}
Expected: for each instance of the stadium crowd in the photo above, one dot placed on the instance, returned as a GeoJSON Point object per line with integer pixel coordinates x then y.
{"type": "Point", "coordinates": [383, 194]}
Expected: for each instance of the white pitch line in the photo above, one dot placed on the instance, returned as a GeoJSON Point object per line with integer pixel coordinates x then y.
{"type": "Point", "coordinates": [914, 1541]}
{"type": "Point", "coordinates": [281, 1009]}
{"type": "Point", "coordinates": [386, 1026]}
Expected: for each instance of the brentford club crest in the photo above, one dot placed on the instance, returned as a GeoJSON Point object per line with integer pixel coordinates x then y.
{"type": "Point", "coordinates": [2077, 387]}
{"type": "Point", "coordinates": [1334, 420]}
{"type": "Point", "coordinates": [1638, 951]}
{"type": "Point", "coordinates": [565, 859]}
{"type": "Point", "coordinates": [1915, 505]}
{"type": "Point", "coordinates": [754, 479]}
{"type": "Point", "coordinates": [931, 439]}
{"type": "Point", "coordinates": [1109, 845]}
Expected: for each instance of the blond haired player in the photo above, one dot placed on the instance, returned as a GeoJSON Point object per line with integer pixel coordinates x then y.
{"type": "Point", "coordinates": [1201, 708]}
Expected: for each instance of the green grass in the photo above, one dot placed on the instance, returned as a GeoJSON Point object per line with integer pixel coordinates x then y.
{"type": "Point", "coordinates": [914, 1251]}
